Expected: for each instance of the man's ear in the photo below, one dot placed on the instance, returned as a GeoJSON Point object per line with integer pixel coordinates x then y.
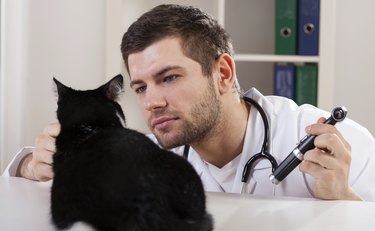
{"type": "Point", "coordinates": [227, 73]}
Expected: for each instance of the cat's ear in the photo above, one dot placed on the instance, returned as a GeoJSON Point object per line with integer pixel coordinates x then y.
{"type": "Point", "coordinates": [113, 88]}
{"type": "Point", "coordinates": [61, 89]}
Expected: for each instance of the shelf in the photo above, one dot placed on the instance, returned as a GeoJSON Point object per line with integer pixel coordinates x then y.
{"type": "Point", "coordinates": [276, 58]}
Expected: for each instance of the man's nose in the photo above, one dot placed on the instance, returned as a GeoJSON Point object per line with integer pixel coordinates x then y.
{"type": "Point", "coordinates": [154, 99]}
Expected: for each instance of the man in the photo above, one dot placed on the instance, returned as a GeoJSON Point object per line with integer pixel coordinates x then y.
{"type": "Point", "coordinates": [181, 67]}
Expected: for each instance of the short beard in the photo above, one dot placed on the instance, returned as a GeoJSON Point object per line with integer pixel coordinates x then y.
{"type": "Point", "coordinates": [206, 119]}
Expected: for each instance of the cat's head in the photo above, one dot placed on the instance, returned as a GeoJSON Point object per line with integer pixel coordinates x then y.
{"type": "Point", "coordinates": [96, 107]}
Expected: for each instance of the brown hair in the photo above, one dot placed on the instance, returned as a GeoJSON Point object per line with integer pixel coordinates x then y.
{"type": "Point", "coordinates": [202, 38]}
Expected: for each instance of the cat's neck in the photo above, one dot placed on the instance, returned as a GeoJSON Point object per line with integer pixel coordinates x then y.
{"type": "Point", "coordinates": [87, 129]}
{"type": "Point", "coordinates": [72, 136]}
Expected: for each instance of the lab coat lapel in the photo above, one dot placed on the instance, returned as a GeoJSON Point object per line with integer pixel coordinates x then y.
{"type": "Point", "coordinates": [209, 183]}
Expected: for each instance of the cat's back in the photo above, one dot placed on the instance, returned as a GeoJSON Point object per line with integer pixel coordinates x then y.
{"type": "Point", "coordinates": [126, 170]}
{"type": "Point", "coordinates": [121, 144]}
{"type": "Point", "coordinates": [121, 153]}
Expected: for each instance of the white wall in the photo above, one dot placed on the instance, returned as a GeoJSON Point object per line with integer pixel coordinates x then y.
{"type": "Point", "coordinates": [42, 39]}
{"type": "Point", "coordinates": [355, 60]}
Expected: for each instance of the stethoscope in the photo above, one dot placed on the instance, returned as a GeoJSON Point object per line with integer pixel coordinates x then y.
{"type": "Point", "coordinates": [264, 152]}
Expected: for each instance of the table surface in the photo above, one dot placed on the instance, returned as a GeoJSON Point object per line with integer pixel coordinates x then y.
{"type": "Point", "coordinates": [24, 205]}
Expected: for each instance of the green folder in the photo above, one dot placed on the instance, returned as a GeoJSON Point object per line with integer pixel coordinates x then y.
{"type": "Point", "coordinates": [306, 84]}
{"type": "Point", "coordinates": [286, 27]}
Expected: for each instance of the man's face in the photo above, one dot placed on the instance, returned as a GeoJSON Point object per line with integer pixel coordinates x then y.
{"type": "Point", "coordinates": [180, 105]}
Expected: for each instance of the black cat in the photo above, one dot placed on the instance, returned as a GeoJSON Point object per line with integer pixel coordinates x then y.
{"type": "Point", "coordinates": [114, 178]}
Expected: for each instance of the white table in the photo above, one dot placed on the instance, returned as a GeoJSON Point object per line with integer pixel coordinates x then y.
{"type": "Point", "coordinates": [249, 212]}
{"type": "Point", "coordinates": [24, 205]}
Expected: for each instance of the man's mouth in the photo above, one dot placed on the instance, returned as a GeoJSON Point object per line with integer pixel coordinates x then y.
{"type": "Point", "coordinates": [162, 123]}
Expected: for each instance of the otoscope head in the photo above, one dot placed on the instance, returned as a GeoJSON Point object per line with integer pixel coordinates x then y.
{"type": "Point", "coordinates": [339, 113]}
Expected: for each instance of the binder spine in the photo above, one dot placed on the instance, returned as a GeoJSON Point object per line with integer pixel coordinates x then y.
{"type": "Point", "coordinates": [286, 27]}
{"type": "Point", "coordinates": [308, 27]}
{"type": "Point", "coordinates": [284, 80]}
{"type": "Point", "coordinates": [306, 84]}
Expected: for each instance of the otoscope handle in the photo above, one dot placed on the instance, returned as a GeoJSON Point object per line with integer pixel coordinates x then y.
{"type": "Point", "coordinates": [306, 143]}
{"type": "Point", "coordinates": [290, 163]}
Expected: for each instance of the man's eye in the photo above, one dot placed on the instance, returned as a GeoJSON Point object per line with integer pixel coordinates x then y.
{"type": "Point", "coordinates": [170, 78]}
{"type": "Point", "coordinates": [140, 90]}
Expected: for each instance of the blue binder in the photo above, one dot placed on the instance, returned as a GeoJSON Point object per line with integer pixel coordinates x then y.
{"type": "Point", "coordinates": [284, 80]}
{"type": "Point", "coordinates": [308, 27]}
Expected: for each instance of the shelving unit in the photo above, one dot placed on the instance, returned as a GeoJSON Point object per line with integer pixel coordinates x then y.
{"type": "Point", "coordinates": [276, 58]}
{"type": "Point", "coordinates": [325, 60]}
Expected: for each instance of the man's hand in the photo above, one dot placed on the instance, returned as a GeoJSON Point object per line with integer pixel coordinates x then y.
{"type": "Point", "coordinates": [329, 163]}
{"type": "Point", "coordinates": [38, 164]}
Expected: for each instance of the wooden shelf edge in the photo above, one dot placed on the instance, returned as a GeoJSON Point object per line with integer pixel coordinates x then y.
{"type": "Point", "coordinates": [276, 58]}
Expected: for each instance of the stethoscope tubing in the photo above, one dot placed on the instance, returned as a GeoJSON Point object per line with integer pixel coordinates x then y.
{"type": "Point", "coordinates": [264, 152]}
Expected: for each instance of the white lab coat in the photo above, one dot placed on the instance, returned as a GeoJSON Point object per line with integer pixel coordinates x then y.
{"type": "Point", "coordinates": [287, 126]}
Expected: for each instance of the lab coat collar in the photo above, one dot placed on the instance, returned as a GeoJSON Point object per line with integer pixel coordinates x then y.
{"type": "Point", "coordinates": [209, 182]}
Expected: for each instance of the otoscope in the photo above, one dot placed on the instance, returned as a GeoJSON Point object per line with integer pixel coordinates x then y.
{"type": "Point", "coordinates": [338, 114]}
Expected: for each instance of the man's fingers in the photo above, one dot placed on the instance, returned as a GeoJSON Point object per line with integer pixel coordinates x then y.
{"type": "Point", "coordinates": [333, 145]}
{"type": "Point", "coordinates": [43, 156]}
{"type": "Point", "coordinates": [52, 129]}
{"type": "Point", "coordinates": [42, 171]}
{"type": "Point", "coordinates": [321, 120]}
{"type": "Point", "coordinates": [324, 159]}
{"type": "Point", "coordinates": [45, 142]}
{"type": "Point", "coordinates": [320, 128]}
{"type": "Point", "coordinates": [311, 168]}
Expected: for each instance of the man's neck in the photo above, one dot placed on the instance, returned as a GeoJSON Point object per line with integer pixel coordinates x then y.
{"type": "Point", "coordinates": [225, 143]}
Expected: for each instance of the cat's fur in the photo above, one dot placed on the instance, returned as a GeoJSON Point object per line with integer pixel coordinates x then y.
{"type": "Point", "coordinates": [114, 178]}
